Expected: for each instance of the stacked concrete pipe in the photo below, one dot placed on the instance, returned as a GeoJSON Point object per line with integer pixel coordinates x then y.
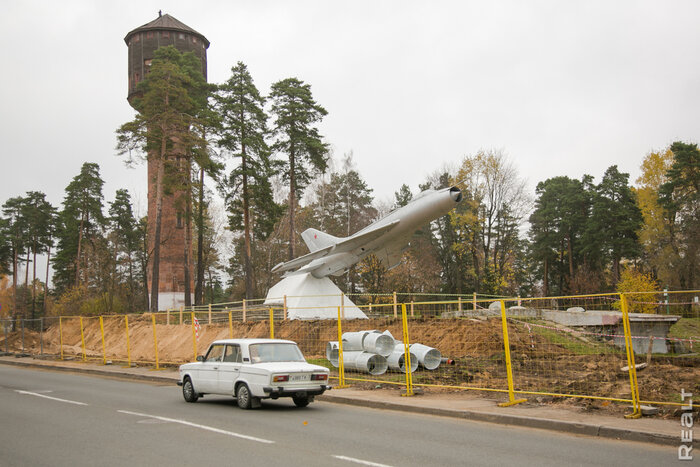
{"type": "Point", "coordinates": [373, 352]}
{"type": "Point", "coordinates": [359, 360]}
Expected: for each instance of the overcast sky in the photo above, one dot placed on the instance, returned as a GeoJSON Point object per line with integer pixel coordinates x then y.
{"type": "Point", "coordinates": [564, 88]}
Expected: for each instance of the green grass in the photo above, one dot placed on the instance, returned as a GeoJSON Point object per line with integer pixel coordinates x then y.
{"type": "Point", "coordinates": [571, 343]}
{"type": "Point", "coordinates": [685, 328]}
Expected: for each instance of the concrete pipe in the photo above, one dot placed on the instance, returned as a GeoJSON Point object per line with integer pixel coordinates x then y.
{"type": "Point", "coordinates": [332, 349]}
{"type": "Point", "coordinates": [429, 357]}
{"type": "Point", "coordinates": [365, 362]}
{"type": "Point", "coordinates": [376, 342]}
{"type": "Point", "coordinates": [396, 361]}
{"type": "Point", "coordinates": [352, 341]}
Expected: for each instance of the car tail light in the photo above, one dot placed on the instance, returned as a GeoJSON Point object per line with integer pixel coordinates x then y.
{"type": "Point", "coordinates": [280, 378]}
{"type": "Point", "coordinates": [321, 377]}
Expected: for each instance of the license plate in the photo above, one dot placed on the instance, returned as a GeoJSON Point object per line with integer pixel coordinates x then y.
{"type": "Point", "coordinates": [299, 377]}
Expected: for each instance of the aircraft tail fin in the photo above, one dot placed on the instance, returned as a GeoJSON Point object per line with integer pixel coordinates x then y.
{"type": "Point", "coordinates": [317, 240]}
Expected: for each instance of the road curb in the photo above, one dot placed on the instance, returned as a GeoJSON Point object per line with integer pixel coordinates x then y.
{"type": "Point", "coordinates": [93, 371]}
{"type": "Point", "coordinates": [577, 428]}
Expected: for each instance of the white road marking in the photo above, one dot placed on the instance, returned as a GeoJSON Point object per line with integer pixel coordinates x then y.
{"type": "Point", "coordinates": [49, 397]}
{"type": "Point", "coordinates": [201, 427]}
{"type": "Point", "coordinates": [360, 461]}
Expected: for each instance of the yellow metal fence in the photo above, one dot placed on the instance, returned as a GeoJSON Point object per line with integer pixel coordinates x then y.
{"type": "Point", "coordinates": [594, 347]}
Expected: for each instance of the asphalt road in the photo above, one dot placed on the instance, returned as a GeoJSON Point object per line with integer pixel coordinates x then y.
{"type": "Point", "coordinates": [54, 419]}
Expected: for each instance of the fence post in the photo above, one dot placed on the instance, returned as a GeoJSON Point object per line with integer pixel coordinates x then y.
{"type": "Point", "coordinates": [181, 310]}
{"type": "Point", "coordinates": [102, 331]}
{"type": "Point", "coordinates": [272, 323]}
{"type": "Point", "coordinates": [406, 352]}
{"type": "Point", "coordinates": [22, 335]}
{"type": "Point", "coordinates": [459, 302]}
{"type": "Point", "coordinates": [194, 337]}
{"type": "Point", "coordinates": [341, 365]}
{"type": "Point", "coordinates": [395, 310]}
{"type": "Point", "coordinates": [167, 316]}
{"type": "Point", "coordinates": [230, 326]}
{"type": "Point", "coordinates": [4, 328]}
{"type": "Point", "coordinates": [342, 304]}
{"type": "Point", "coordinates": [474, 301]}
{"type": "Point", "coordinates": [41, 335]}
{"type": "Point", "coordinates": [155, 338]}
{"type": "Point", "coordinates": [210, 313]}
{"type": "Point", "coordinates": [244, 309]}
{"type": "Point", "coordinates": [506, 345]}
{"type": "Point", "coordinates": [128, 344]}
{"type": "Point", "coordinates": [634, 387]}
{"type": "Point", "coordinates": [60, 335]}
{"type": "Point", "coordinates": [284, 305]}
{"type": "Point", "coordinates": [411, 309]}
{"type": "Point", "coordinates": [82, 339]}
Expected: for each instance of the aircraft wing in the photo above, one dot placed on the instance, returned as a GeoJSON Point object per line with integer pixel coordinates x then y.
{"type": "Point", "coordinates": [356, 241]}
{"type": "Point", "coordinates": [344, 246]}
{"type": "Point", "coordinates": [302, 260]}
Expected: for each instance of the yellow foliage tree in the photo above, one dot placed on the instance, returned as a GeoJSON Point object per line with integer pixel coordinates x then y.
{"type": "Point", "coordinates": [654, 233]}
{"type": "Point", "coordinates": [632, 280]}
{"type": "Point", "coordinates": [5, 297]}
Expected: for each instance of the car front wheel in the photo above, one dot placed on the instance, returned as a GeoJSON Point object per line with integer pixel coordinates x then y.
{"type": "Point", "coordinates": [188, 391]}
{"type": "Point", "coordinates": [243, 396]}
{"type": "Point", "coordinates": [301, 401]}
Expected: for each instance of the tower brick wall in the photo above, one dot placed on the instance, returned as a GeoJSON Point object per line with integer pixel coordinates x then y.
{"type": "Point", "coordinates": [142, 43]}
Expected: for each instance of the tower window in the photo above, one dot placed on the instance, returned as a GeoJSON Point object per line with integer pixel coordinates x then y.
{"type": "Point", "coordinates": [179, 220]}
{"type": "Point", "coordinates": [165, 34]}
{"type": "Point", "coordinates": [137, 78]}
{"type": "Point", "coordinates": [181, 36]}
{"type": "Point", "coordinates": [137, 37]}
{"type": "Point", "coordinates": [149, 35]}
{"type": "Point", "coordinates": [194, 39]}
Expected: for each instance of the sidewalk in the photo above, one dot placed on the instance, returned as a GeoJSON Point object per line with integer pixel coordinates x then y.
{"type": "Point", "coordinates": [647, 429]}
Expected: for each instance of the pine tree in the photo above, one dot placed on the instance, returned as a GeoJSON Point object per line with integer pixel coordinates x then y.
{"type": "Point", "coordinates": [296, 113]}
{"type": "Point", "coordinates": [680, 198]}
{"type": "Point", "coordinates": [80, 220]}
{"type": "Point", "coordinates": [40, 217]}
{"type": "Point", "coordinates": [125, 245]}
{"type": "Point", "coordinates": [15, 231]}
{"type": "Point", "coordinates": [243, 128]}
{"type": "Point", "coordinates": [615, 220]}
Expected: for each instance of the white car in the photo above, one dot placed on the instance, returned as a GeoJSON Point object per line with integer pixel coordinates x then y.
{"type": "Point", "coordinates": [251, 370]}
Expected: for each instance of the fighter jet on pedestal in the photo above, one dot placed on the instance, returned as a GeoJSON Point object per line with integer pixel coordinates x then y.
{"type": "Point", "coordinates": [310, 293]}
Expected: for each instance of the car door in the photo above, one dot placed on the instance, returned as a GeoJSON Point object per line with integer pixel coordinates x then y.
{"type": "Point", "coordinates": [209, 370]}
{"type": "Point", "coordinates": [229, 369]}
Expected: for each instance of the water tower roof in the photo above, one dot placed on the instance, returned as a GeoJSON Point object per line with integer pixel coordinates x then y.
{"type": "Point", "coordinates": [166, 23]}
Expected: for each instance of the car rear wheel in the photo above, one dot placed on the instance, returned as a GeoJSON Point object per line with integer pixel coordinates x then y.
{"type": "Point", "coordinates": [188, 391]}
{"type": "Point", "coordinates": [301, 401]}
{"type": "Point", "coordinates": [243, 396]}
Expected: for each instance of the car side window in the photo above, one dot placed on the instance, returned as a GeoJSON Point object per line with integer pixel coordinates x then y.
{"type": "Point", "coordinates": [233, 354]}
{"type": "Point", "coordinates": [215, 353]}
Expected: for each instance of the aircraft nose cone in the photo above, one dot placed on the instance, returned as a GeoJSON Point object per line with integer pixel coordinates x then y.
{"type": "Point", "coordinates": [455, 194]}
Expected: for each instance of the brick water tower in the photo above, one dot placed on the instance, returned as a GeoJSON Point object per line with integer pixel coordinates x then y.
{"type": "Point", "coordinates": [143, 42]}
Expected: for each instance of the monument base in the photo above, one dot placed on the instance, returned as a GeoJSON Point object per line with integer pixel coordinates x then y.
{"type": "Point", "coordinates": [312, 298]}
{"type": "Point", "coordinates": [170, 300]}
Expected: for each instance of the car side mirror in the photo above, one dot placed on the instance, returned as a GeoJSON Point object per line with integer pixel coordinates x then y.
{"type": "Point", "coordinates": [200, 358]}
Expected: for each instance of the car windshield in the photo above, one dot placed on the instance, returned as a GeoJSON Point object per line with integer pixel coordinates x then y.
{"type": "Point", "coordinates": [274, 352]}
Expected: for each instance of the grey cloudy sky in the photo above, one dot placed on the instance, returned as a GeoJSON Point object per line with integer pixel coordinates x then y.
{"type": "Point", "coordinates": [564, 88]}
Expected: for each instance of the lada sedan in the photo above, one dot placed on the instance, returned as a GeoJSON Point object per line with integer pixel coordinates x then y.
{"type": "Point", "coordinates": [251, 370]}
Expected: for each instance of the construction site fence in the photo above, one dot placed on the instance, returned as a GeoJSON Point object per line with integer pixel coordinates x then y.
{"type": "Point", "coordinates": [632, 348]}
